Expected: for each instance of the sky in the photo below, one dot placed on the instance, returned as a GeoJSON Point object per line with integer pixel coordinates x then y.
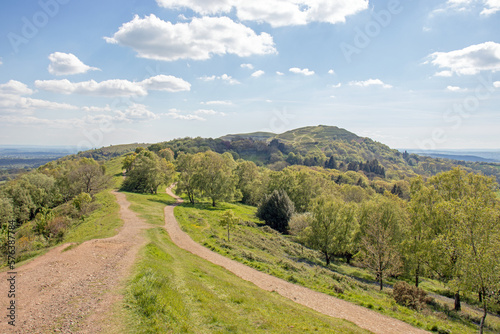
{"type": "Point", "coordinates": [409, 74]}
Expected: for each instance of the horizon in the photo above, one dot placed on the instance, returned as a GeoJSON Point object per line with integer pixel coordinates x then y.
{"type": "Point", "coordinates": [414, 75]}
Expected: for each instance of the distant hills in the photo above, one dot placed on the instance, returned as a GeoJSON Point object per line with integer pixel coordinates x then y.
{"type": "Point", "coordinates": [322, 146]}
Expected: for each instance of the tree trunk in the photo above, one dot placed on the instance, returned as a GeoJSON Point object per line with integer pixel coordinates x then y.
{"type": "Point", "coordinates": [485, 313]}
{"type": "Point", "coordinates": [457, 301]}
{"type": "Point", "coordinates": [228, 232]}
{"type": "Point", "coordinates": [327, 258]}
{"type": "Point", "coordinates": [213, 202]}
{"type": "Point", "coordinates": [380, 280]}
{"type": "Point", "coordinates": [417, 274]}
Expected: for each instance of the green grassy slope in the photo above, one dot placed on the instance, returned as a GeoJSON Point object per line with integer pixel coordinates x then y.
{"type": "Point", "coordinates": [278, 255]}
{"type": "Point", "coordinates": [173, 291]}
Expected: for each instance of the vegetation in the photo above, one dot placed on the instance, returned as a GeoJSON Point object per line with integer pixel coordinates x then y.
{"type": "Point", "coordinates": [276, 210]}
{"type": "Point", "coordinates": [172, 290]}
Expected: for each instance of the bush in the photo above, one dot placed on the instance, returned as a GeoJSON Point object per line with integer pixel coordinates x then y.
{"type": "Point", "coordinates": [410, 296]}
{"type": "Point", "coordinates": [276, 210]}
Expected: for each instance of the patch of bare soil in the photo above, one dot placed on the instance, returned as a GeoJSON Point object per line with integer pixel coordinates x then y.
{"type": "Point", "coordinates": [74, 291]}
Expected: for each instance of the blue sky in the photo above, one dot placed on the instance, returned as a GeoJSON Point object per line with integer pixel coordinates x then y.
{"type": "Point", "coordinates": [410, 74]}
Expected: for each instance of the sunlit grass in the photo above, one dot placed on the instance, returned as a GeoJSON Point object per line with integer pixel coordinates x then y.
{"type": "Point", "coordinates": [278, 255]}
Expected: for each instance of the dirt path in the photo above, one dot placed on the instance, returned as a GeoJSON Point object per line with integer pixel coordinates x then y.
{"type": "Point", "coordinates": [74, 291]}
{"type": "Point", "coordinates": [322, 303]}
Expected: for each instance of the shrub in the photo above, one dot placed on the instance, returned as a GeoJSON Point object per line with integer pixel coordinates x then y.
{"type": "Point", "coordinates": [410, 296]}
{"type": "Point", "coordinates": [276, 210]}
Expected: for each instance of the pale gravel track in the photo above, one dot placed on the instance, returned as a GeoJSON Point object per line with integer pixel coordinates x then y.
{"type": "Point", "coordinates": [331, 306]}
{"type": "Point", "coordinates": [75, 291]}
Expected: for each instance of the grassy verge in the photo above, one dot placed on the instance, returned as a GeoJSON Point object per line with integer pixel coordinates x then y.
{"type": "Point", "coordinates": [150, 207]}
{"type": "Point", "coordinates": [173, 291]}
{"type": "Point", "coordinates": [270, 252]}
{"type": "Point", "coordinates": [102, 223]}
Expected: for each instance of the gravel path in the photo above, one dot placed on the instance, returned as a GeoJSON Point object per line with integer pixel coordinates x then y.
{"type": "Point", "coordinates": [74, 291]}
{"type": "Point", "coordinates": [322, 303]}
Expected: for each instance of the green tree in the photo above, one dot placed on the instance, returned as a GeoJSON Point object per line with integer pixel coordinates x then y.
{"type": "Point", "coordinates": [147, 173]}
{"type": "Point", "coordinates": [333, 228]}
{"type": "Point", "coordinates": [276, 210]}
{"type": "Point", "coordinates": [166, 154]}
{"type": "Point", "coordinates": [128, 161]}
{"type": "Point", "coordinates": [187, 165]}
{"type": "Point", "coordinates": [469, 231]}
{"type": "Point", "coordinates": [250, 182]}
{"type": "Point", "coordinates": [229, 221]}
{"type": "Point", "coordinates": [417, 244]}
{"type": "Point", "coordinates": [380, 221]}
{"type": "Point", "coordinates": [215, 177]}
{"type": "Point", "coordinates": [88, 177]}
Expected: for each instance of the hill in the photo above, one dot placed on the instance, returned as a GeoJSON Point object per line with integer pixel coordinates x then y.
{"type": "Point", "coordinates": [253, 135]}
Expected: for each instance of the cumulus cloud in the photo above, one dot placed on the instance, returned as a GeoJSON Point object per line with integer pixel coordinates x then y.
{"type": "Point", "coordinates": [496, 84]}
{"type": "Point", "coordinates": [96, 109]}
{"type": "Point", "coordinates": [177, 114]}
{"type": "Point", "coordinates": [66, 64]}
{"type": "Point", "coordinates": [332, 72]}
{"type": "Point", "coordinates": [470, 60]}
{"type": "Point", "coordinates": [12, 99]}
{"type": "Point", "coordinates": [199, 39]}
{"type": "Point", "coordinates": [227, 78]}
{"type": "Point", "coordinates": [249, 66]}
{"type": "Point", "coordinates": [455, 89]}
{"type": "Point", "coordinates": [1, 61]}
{"type": "Point", "coordinates": [280, 73]}
{"type": "Point", "coordinates": [491, 7]}
{"type": "Point", "coordinates": [277, 13]}
{"type": "Point", "coordinates": [115, 87]}
{"type": "Point", "coordinates": [13, 87]}
{"type": "Point", "coordinates": [370, 82]}
{"type": "Point", "coordinates": [304, 71]}
{"type": "Point", "coordinates": [258, 73]}
{"type": "Point", "coordinates": [135, 112]}
{"type": "Point", "coordinates": [167, 83]}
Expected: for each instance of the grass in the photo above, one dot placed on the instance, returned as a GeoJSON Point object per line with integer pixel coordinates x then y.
{"type": "Point", "coordinates": [149, 206]}
{"type": "Point", "coordinates": [270, 252]}
{"type": "Point", "coordinates": [102, 223]}
{"type": "Point", "coordinates": [173, 291]}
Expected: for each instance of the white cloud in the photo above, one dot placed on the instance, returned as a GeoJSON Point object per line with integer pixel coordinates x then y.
{"type": "Point", "coordinates": [258, 73]}
{"type": "Point", "coordinates": [208, 112]}
{"type": "Point", "coordinates": [66, 64]}
{"type": "Point", "coordinates": [13, 87]}
{"type": "Point", "coordinates": [97, 109]}
{"type": "Point", "coordinates": [135, 112]}
{"type": "Point", "coordinates": [444, 74]}
{"type": "Point", "coordinates": [277, 13]}
{"type": "Point", "coordinates": [199, 39]}
{"type": "Point", "coordinates": [176, 114]}
{"type": "Point", "coordinates": [115, 87]}
{"type": "Point", "coordinates": [370, 82]}
{"type": "Point", "coordinates": [491, 7]}
{"type": "Point", "coordinates": [496, 84]}
{"type": "Point", "coordinates": [1, 61]}
{"type": "Point", "coordinates": [12, 99]}
{"type": "Point", "coordinates": [227, 78]}
{"type": "Point", "coordinates": [304, 71]}
{"type": "Point", "coordinates": [337, 85]}
{"type": "Point", "coordinates": [111, 88]}
{"type": "Point", "coordinates": [167, 83]}
{"type": "Point", "coordinates": [332, 72]}
{"type": "Point", "coordinates": [455, 89]}
{"type": "Point", "coordinates": [222, 103]}
{"type": "Point", "coordinates": [249, 66]}
{"type": "Point", "coordinates": [470, 60]}
{"type": "Point", "coordinates": [280, 73]}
